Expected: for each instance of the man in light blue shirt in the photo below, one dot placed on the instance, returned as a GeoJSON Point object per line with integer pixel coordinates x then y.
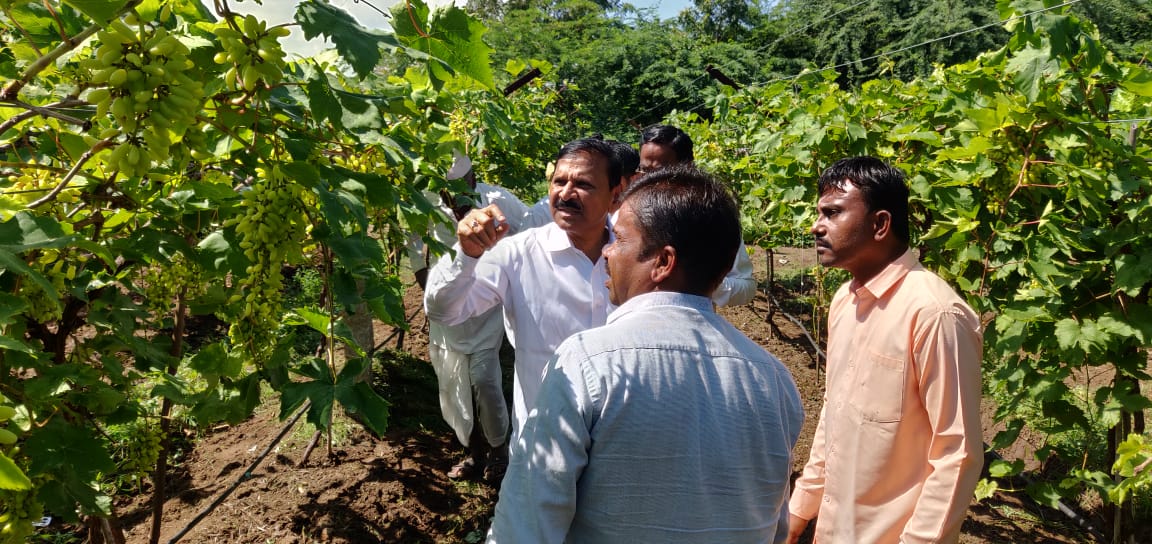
{"type": "Point", "coordinates": [667, 424]}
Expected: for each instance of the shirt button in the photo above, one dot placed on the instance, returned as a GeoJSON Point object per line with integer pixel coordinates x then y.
{"type": "Point", "coordinates": [826, 499]}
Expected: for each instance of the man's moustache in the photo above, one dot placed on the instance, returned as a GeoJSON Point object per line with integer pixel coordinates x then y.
{"type": "Point", "coordinates": [567, 205]}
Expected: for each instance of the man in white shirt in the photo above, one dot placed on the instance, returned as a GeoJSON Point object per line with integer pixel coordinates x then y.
{"type": "Point", "coordinates": [667, 424]}
{"type": "Point", "coordinates": [466, 356]}
{"type": "Point", "coordinates": [662, 146]}
{"type": "Point", "coordinates": [550, 280]}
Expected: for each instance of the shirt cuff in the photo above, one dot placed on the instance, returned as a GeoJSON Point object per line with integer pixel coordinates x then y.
{"type": "Point", "coordinates": [805, 504]}
{"type": "Point", "coordinates": [461, 261]}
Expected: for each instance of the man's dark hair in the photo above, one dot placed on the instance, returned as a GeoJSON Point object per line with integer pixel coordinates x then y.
{"type": "Point", "coordinates": [684, 207]}
{"type": "Point", "coordinates": [598, 146]}
{"type": "Point", "coordinates": [628, 158]}
{"type": "Point", "coordinates": [672, 137]}
{"type": "Point", "coordinates": [882, 186]}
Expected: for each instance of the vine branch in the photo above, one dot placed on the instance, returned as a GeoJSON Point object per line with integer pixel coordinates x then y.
{"type": "Point", "coordinates": [44, 111]}
{"type": "Point", "coordinates": [12, 89]}
{"type": "Point", "coordinates": [412, 16]}
{"type": "Point", "coordinates": [100, 146]}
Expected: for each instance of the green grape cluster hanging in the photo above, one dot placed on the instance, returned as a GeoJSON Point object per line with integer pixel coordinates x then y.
{"type": "Point", "coordinates": [31, 183]}
{"type": "Point", "coordinates": [254, 53]}
{"type": "Point", "coordinates": [7, 438]}
{"type": "Point", "coordinates": [459, 125]}
{"type": "Point", "coordinates": [18, 510]}
{"type": "Point", "coordinates": [18, 507]}
{"type": "Point", "coordinates": [58, 269]}
{"type": "Point", "coordinates": [162, 284]}
{"type": "Point", "coordinates": [140, 450]}
{"type": "Point", "coordinates": [143, 85]}
{"type": "Point", "coordinates": [270, 229]}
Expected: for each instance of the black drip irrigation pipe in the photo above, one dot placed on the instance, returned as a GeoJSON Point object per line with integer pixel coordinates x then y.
{"type": "Point", "coordinates": [1081, 521]}
{"type": "Point", "coordinates": [243, 477]}
{"type": "Point", "coordinates": [816, 346]}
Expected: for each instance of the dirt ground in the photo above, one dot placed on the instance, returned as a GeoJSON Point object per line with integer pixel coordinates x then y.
{"type": "Point", "coordinates": [393, 489]}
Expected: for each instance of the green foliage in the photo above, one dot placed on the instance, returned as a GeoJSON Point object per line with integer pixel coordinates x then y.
{"type": "Point", "coordinates": [624, 68]}
{"type": "Point", "coordinates": [1029, 189]}
{"type": "Point", "coordinates": [163, 164]}
{"type": "Point", "coordinates": [865, 40]}
{"type": "Point", "coordinates": [618, 74]}
{"type": "Point", "coordinates": [720, 20]}
{"type": "Point", "coordinates": [1132, 464]}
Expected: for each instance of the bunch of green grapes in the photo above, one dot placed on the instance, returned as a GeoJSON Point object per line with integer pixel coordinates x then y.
{"type": "Point", "coordinates": [360, 160]}
{"type": "Point", "coordinates": [459, 125]}
{"type": "Point", "coordinates": [254, 53]}
{"type": "Point", "coordinates": [18, 508]}
{"type": "Point", "coordinates": [145, 89]}
{"type": "Point", "coordinates": [161, 285]}
{"type": "Point", "coordinates": [31, 183]}
{"type": "Point", "coordinates": [58, 270]}
{"type": "Point", "coordinates": [7, 438]}
{"type": "Point", "coordinates": [140, 450]}
{"type": "Point", "coordinates": [271, 230]}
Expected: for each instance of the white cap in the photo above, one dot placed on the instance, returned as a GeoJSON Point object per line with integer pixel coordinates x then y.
{"type": "Point", "coordinates": [461, 165]}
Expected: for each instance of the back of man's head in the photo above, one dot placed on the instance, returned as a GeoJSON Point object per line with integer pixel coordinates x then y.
{"type": "Point", "coordinates": [882, 186]}
{"type": "Point", "coordinates": [595, 145]}
{"type": "Point", "coordinates": [628, 158]}
{"type": "Point", "coordinates": [687, 209]}
{"type": "Point", "coordinates": [670, 136]}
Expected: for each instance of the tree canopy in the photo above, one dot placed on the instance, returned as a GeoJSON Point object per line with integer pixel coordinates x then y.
{"type": "Point", "coordinates": [623, 67]}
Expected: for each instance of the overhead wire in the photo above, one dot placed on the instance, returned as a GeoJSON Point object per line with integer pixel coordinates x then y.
{"type": "Point", "coordinates": [902, 49]}
{"type": "Point", "coordinates": [878, 55]}
{"type": "Point", "coordinates": [921, 44]}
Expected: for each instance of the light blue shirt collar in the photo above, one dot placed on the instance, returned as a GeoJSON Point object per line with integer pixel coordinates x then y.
{"type": "Point", "coordinates": [661, 298]}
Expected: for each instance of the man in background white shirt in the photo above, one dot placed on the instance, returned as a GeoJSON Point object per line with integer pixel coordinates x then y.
{"type": "Point", "coordinates": [550, 280]}
{"type": "Point", "coordinates": [662, 146]}
{"type": "Point", "coordinates": [466, 356]}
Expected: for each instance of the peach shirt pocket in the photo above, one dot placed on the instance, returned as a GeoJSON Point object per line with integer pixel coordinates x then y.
{"type": "Point", "coordinates": [879, 373]}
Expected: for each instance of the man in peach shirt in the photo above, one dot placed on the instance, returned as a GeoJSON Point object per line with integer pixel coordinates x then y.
{"type": "Point", "coordinates": [898, 449]}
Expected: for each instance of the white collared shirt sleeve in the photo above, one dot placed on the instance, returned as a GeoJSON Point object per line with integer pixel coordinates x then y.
{"type": "Point", "coordinates": [516, 213]}
{"type": "Point", "coordinates": [463, 287]}
{"type": "Point", "coordinates": [539, 495]}
{"type": "Point", "coordinates": [738, 286]}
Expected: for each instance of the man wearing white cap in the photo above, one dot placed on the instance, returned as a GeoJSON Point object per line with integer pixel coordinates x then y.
{"type": "Point", "coordinates": [466, 357]}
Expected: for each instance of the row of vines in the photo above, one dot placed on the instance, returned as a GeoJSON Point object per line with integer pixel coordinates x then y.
{"type": "Point", "coordinates": [163, 161]}
{"type": "Point", "coordinates": [1032, 185]}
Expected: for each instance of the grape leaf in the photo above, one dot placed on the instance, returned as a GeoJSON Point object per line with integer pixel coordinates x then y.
{"type": "Point", "coordinates": [357, 45]}
{"type": "Point", "coordinates": [11, 477]}
{"type": "Point", "coordinates": [1030, 68]}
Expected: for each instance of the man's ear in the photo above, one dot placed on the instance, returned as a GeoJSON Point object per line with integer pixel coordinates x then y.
{"type": "Point", "coordinates": [882, 225]}
{"type": "Point", "coordinates": [664, 263]}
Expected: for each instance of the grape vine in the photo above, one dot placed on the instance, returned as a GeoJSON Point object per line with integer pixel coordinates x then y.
{"type": "Point", "coordinates": [1030, 185]}
{"type": "Point", "coordinates": [162, 162]}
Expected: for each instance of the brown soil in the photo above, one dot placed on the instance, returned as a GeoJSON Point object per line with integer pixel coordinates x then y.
{"type": "Point", "coordinates": [393, 489]}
